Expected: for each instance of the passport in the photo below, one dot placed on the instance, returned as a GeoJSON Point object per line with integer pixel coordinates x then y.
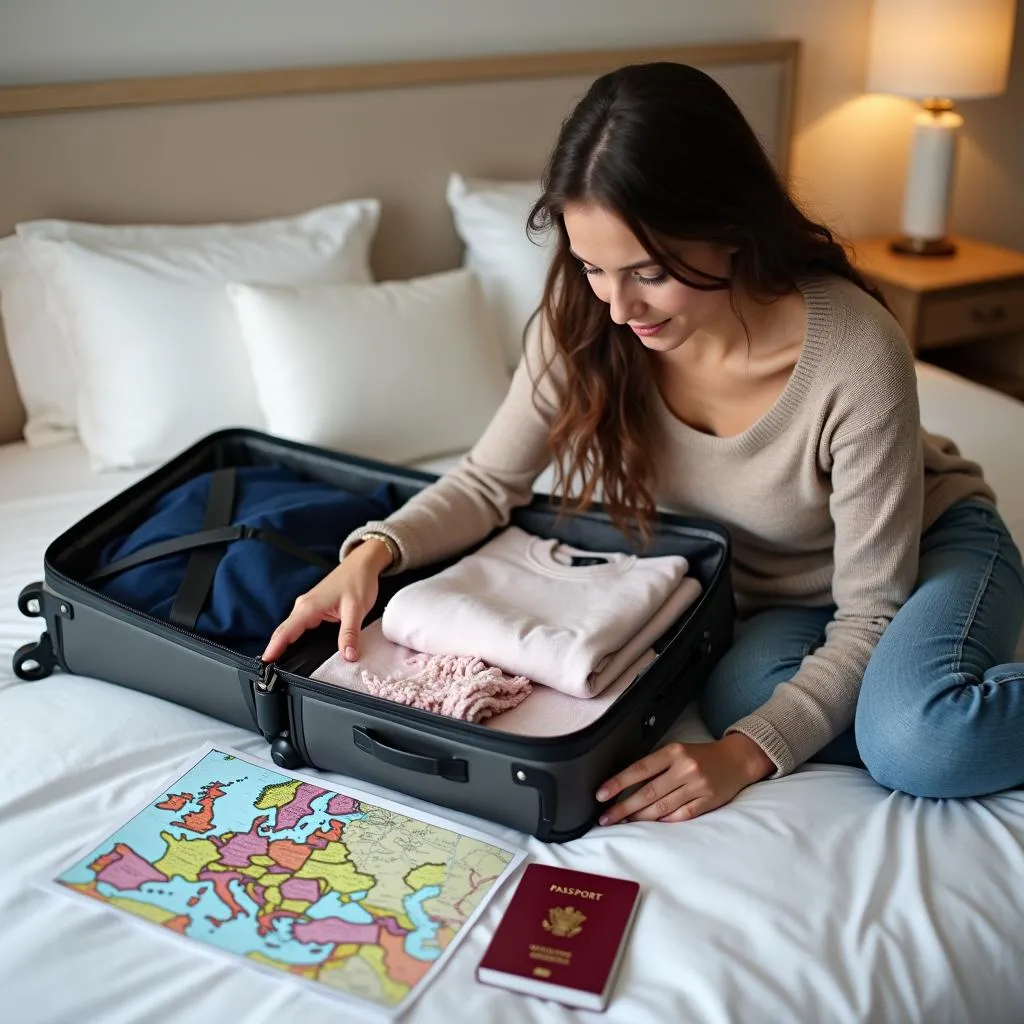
{"type": "Point", "coordinates": [562, 936]}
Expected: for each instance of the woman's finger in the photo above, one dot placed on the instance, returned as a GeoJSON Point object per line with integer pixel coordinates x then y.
{"type": "Point", "coordinates": [304, 615]}
{"type": "Point", "coordinates": [653, 764]}
{"type": "Point", "coordinates": [656, 797]}
{"type": "Point", "coordinates": [348, 635]}
{"type": "Point", "coordinates": [691, 809]}
{"type": "Point", "coordinates": [665, 807]}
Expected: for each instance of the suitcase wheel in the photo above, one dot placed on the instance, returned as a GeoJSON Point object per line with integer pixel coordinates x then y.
{"type": "Point", "coordinates": [30, 601]}
{"type": "Point", "coordinates": [283, 752]}
{"type": "Point", "coordinates": [34, 661]}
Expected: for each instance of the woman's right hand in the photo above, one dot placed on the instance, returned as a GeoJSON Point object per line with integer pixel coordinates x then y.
{"type": "Point", "coordinates": [344, 595]}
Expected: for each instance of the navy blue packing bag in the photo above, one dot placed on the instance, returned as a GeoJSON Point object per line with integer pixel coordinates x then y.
{"type": "Point", "coordinates": [255, 539]}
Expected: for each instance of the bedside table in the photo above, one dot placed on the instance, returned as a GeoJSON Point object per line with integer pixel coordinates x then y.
{"type": "Point", "coordinates": [949, 306]}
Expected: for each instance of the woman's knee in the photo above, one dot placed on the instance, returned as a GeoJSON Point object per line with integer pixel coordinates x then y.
{"type": "Point", "coordinates": [900, 757]}
{"type": "Point", "coordinates": [929, 751]}
{"type": "Point", "coordinates": [901, 740]}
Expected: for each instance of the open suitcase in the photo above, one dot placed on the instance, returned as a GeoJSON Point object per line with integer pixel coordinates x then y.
{"type": "Point", "coordinates": [541, 785]}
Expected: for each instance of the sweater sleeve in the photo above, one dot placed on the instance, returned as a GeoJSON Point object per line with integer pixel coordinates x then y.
{"type": "Point", "coordinates": [478, 495]}
{"type": "Point", "coordinates": [876, 506]}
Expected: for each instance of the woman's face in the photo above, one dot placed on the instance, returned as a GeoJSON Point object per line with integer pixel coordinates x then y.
{"type": "Point", "coordinates": [662, 311]}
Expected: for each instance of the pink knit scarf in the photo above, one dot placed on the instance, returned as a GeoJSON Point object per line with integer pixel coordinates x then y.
{"type": "Point", "coordinates": [447, 684]}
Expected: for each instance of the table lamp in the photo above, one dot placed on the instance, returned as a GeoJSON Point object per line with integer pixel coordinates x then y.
{"type": "Point", "coordinates": [937, 51]}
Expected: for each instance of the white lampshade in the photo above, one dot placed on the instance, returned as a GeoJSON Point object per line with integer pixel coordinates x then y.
{"type": "Point", "coordinates": [953, 49]}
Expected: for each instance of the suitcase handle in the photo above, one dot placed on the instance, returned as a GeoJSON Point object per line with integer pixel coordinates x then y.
{"type": "Point", "coordinates": [454, 769]}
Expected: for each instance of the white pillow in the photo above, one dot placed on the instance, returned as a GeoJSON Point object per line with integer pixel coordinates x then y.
{"type": "Point", "coordinates": [398, 371]}
{"type": "Point", "coordinates": [42, 370]}
{"type": "Point", "coordinates": [158, 363]}
{"type": "Point", "coordinates": [490, 218]}
{"type": "Point", "coordinates": [327, 244]}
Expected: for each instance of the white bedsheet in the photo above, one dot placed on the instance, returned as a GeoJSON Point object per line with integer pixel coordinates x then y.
{"type": "Point", "coordinates": [819, 897]}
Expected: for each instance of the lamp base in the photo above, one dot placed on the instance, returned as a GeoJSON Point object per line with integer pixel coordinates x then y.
{"type": "Point", "coordinates": [909, 246]}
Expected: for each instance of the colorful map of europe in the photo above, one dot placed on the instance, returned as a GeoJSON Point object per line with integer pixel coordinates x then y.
{"type": "Point", "coordinates": [358, 897]}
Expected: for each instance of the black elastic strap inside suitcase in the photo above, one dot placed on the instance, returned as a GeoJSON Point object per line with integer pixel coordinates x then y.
{"type": "Point", "coordinates": [202, 563]}
{"type": "Point", "coordinates": [208, 546]}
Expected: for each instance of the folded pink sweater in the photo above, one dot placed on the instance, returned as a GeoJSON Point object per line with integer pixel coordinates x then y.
{"type": "Point", "coordinates": [541, 609]}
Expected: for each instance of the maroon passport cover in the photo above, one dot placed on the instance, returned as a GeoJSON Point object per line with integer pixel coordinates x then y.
{"type": "Point", "coordinates": [562, 928]}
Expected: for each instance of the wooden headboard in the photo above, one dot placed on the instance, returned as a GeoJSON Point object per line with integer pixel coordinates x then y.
{"type": "Point", "coordinates": [243, 145]}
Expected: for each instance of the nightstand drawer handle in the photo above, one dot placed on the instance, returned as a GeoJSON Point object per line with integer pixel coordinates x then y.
{"type": "Point", "coordinates": [989, 316]}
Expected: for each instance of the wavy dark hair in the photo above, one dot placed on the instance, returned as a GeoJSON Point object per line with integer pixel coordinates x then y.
{"type": "Point", "coordinates": [664, 147]}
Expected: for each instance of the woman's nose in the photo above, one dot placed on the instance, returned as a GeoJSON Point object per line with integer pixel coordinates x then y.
{"type": "Point", "coordinates": [625, 305]}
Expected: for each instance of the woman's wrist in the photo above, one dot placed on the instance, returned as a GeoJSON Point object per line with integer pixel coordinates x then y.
{"type": "Point", "coordinates": [377, 551]}
{"type": "Point", "coordinates": [756, 763]}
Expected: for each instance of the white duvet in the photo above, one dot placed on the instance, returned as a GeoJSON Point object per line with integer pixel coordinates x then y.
{"type": "Point", "coordinates": [819, 897]}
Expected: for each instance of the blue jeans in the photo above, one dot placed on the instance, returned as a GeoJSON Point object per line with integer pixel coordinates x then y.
{"type": "Point", "coordinates": [941, 708]}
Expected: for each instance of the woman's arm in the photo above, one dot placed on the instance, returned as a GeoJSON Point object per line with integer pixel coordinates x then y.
{"type": "Point", "coordinates": [876, 468]}
{"type": "Point", "coordinates": [448, 516]}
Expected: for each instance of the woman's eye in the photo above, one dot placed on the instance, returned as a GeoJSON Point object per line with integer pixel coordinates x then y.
{"type": "Point", "coordinates": [652, 279]}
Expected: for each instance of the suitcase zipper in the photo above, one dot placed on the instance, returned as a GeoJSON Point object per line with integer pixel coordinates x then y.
{"type": "Point", "coordinates": [491, 738]}
{"type": "Point", "coordinates": [269, 706]}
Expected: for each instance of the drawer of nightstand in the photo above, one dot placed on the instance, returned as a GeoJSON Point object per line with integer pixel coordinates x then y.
{"type": "Point", "coordinates": [979, 313]}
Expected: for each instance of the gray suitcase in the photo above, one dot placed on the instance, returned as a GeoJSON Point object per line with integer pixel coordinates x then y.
{"type": "Point", "coordinates": [541, 785]}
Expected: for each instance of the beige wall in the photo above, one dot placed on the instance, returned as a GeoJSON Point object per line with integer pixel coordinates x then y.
{"type": "Point", "coordinates": [990, 187]}
{"type": "Point", "coordinates": [850, 151]}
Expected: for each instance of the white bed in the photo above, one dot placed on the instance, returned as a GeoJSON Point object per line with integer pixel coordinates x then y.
{"type": "Point", "coordinates": [819, 897]}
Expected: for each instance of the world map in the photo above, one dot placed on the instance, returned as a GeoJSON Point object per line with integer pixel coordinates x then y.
{"type": "Point", "coordinates": [288, 874]}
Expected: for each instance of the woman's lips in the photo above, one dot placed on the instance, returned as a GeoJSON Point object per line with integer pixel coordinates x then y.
{"type": "Point", "coordinates": [648, 330]}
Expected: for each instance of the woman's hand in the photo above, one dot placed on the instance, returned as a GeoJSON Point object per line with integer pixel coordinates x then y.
{"type": "Point", "coordinates": [344, 596]}
{"type": "Point", "coordinates": [684, 781]}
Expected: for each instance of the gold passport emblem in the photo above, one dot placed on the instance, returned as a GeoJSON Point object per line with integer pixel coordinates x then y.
{"type": "Point", "coordinates": [541, 972]}
{"type": "Point", "coordinates": [565, 922]}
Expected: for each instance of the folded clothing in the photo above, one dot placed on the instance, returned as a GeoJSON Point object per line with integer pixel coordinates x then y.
{"type": "Point", "coordinates": [255, 582]}
{"type": "Point", "coordinates": [539, 608]}
{"type": "Point", "coordinates": [460, 687]}
{"type": "Point", "coordinates": [539, 712]}
{"type": "Point", "coordinates": [548, 712]}
{"type": "Point", "coordinates": [660, 622]}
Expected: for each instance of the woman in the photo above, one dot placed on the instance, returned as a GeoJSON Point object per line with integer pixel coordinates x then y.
{"type": "Point", "coordinates": [704, 347]}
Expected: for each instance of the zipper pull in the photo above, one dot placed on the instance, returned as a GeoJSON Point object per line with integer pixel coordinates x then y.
{"type": "Point", "coordinates": [271, 712]}
{"type": "Point", "coordinates": [272, 717]}
{"type": "Point", "coordinates": [266, 678]}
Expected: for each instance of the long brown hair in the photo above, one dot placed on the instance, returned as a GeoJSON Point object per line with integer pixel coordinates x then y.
{"type": "Point", "coordinates": [664, 147]}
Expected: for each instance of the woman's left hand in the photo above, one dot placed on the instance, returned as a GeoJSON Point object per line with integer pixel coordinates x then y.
{"type": "Point", "coordinates": [684, 781]}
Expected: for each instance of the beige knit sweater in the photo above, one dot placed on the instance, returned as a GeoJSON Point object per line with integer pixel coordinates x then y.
{"type": "Point", "coordinates": [825, 497]}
